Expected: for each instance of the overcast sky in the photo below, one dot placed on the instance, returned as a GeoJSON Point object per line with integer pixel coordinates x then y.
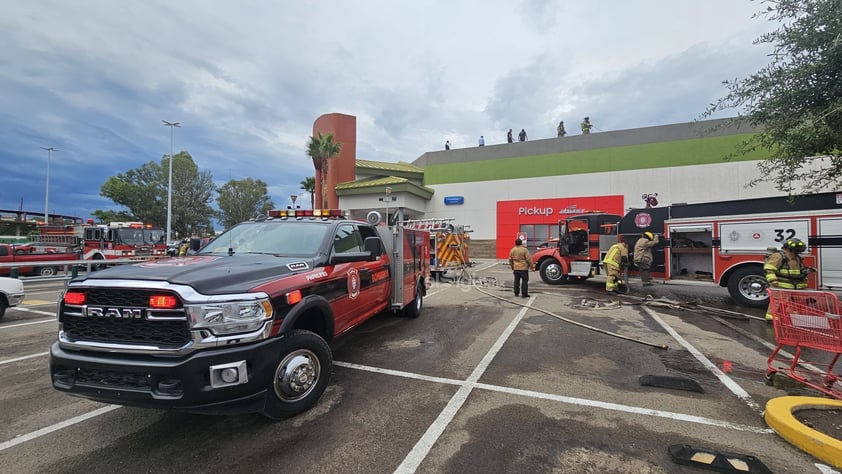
{"type": "Point", "coordinates": [247, 80]}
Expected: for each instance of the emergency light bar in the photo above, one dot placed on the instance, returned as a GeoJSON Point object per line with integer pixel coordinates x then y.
{"type": "Point", "coordinates": [300, 213]}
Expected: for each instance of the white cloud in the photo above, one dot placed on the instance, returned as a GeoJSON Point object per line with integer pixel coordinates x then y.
{"type": "Point", "coordinates": [247, 79]}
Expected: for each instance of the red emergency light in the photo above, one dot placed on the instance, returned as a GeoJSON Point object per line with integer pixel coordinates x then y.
{"type": "Point", "coordinates": [75, 297]}
{"type": "Point", "coordinates": [163, 301]}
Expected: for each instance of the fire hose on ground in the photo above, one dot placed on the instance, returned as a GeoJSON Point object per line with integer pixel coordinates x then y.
{"type": "Point", "coordinates": [575, 323]}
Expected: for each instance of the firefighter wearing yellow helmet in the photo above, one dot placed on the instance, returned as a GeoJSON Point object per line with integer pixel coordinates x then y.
{"type": "Point", "coordinates": [616, 258]}
{"type": "Point", "coordinates": [643, 256]}
{"type": "Point", "coordinates": [785, 269]}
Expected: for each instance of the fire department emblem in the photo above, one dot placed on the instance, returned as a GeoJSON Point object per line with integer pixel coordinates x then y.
{"type": "Point", "coordinates": [734, 236]}
{"type": "Point", "coordinates": [643, 220]}
{"type": "Point", "coordinates": [353, 283]}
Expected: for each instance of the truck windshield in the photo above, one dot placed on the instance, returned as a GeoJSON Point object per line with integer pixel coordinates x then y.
{"type": "Point", "coordinates": [294, 239]}
{"type": "Point", "coordinates": [129, 236]}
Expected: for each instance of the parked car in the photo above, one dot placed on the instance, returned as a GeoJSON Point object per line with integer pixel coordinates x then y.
{"type": "Point", "coordinates": [11, 294]}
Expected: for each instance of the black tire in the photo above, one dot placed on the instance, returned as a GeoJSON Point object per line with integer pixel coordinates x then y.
{"type": "Point", "coordinates": [413, 309]}
{"type": "Point", "coordinates": [552, 273]}
{"type": "Point", "coordinates": [99, 265]}
{"type": "Point", "coordinates": [748, 287]}
{"type": "Point", "coordinates": [300, 377]}
{"type": "Point", "coordinates": [46, 271]}
{"type": "Point", "coordinates": [2, 309]}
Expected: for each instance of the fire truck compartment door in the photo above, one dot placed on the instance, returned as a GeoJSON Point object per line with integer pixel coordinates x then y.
{"type": "Point", "coordinates": [582, 269]}
{"type": "Point", "coordinates": [757, 236]}
{"type": "Point", "coordinates": [830, 256]}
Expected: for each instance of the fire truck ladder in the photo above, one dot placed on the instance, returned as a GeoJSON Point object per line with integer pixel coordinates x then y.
{"type": "Point", "coordinates": [432, 225]}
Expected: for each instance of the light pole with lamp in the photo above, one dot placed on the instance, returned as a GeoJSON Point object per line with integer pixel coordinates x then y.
{"type": "Point", "coordinates": [388, 198]}
{"type": "Point", "coordinates": [172, 126]}
{"type": "Point", "coordinates": [50, 151]}
{"type": "Point", "coordinates": [293, 197]}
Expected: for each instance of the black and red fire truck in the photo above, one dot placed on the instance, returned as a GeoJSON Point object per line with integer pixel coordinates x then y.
{"type": "Point", "coordinates": [242, 325]}
{"type": "Point", "coordinates": [726, 242]}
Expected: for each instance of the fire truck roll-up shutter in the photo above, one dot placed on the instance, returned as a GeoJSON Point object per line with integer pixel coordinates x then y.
{"type": "Point", "coordinates": [692, 228]}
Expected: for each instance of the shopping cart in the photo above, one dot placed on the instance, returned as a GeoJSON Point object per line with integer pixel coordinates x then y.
{"type": "Point", "coordinates": [810, 322]}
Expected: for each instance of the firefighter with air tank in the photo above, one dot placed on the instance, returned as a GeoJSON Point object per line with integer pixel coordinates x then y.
{"type": "Point", "coordinates": [615, 260]}
{"type": "Point", "coordinates": [643, 255]}
{"type": "Point", "coordinates": [785, 269]}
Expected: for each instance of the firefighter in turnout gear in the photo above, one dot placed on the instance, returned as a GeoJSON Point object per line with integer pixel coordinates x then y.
{"type": "Point", "coordinates": [643, 255]}
{"type": "Point", "coordinates": [615, 260]}
{"type": "Point", "coordinates": [521, 262]}
{"type": "Point", "coordinates": [784, 269]}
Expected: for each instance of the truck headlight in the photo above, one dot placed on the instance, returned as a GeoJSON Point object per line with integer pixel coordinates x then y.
{"type": "Point", "coordinates": [231, 317]}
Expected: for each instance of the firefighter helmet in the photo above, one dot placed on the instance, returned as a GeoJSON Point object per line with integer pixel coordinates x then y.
{"type": "Point", "coordinates": [796, 245]}
{"type": "Point", "coordinates": [648, 235]}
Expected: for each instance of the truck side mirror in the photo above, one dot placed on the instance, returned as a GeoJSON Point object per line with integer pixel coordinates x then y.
{"type": "Point", "coordinates": [373, 246]}
{"type": "Point", "coordinates": [195, 243]}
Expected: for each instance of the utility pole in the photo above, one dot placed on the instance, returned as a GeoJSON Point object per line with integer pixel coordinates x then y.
{"type": "Point", "coordinates": [50, 151]}
{"type": "Point", "coordinates": [172, 125]}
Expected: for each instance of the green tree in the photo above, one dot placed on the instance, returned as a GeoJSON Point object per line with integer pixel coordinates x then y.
{"type": "Point", "coordinates": [322, 149]}
{"type": "Point", "coordinates": [104, 217]}
{"type": "Point", "coordinates": [240, 200]}
{"type": "Point", "coordinates": [308, 185]}
{"type": "Point", "coordinates": [796, 99]}
{"type": "Point", "coordinates": [143, 191]}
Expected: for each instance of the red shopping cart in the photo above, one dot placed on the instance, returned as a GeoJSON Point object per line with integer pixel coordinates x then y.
{"type": "Point", "coordinates": [810, 322]}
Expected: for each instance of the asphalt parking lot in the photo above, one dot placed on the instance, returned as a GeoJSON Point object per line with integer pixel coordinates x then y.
{"type": "Point", "coordinates": [481, 382]}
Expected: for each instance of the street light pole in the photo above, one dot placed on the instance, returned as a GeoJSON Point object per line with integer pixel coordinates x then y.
{"type": "Point", "coordinates": [50, 151]}
{"type": "Point", "coordinates": [172, 126]}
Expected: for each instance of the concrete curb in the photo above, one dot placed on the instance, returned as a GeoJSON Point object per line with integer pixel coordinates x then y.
{"type": "Point", "coordinates": [779, 417]}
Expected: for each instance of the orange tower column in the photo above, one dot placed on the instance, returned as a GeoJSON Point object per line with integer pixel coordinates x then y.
{"type": "Point", "coordinates": [342, 167]}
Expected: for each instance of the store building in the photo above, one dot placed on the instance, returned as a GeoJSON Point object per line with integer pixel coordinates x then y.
{"type": "Point", "coordinates": [504, 190]}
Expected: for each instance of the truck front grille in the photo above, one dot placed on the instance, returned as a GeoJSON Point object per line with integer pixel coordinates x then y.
{"type": "Point", "coordinates": [165, 334]}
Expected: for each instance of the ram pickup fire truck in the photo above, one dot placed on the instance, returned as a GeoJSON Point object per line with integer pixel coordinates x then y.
{"type": "Point", "coordinates": [242, 325]}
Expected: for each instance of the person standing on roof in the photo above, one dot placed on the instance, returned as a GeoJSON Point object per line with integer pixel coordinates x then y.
{"type": "Point", "coordinates": [447, 145]}
{"type": "Point", "coordinates": [521, 262]}
{"type": "Point", "coordinates": [586, 126]}
{"type": "Point", "coordinates": [615, 260]}
{"type": "Point", "coordinates": [509, 136]}
{"type": "Point", "coordinates": [481, 140]}
{"type": "Point", "coordinates": [522, 135]}
{"type": "Point", "coordinates": [785, 269]}
{"type": "Point", "coordinates": [560, 129]}
{"type": "Point", "coordinates": [643, 255]}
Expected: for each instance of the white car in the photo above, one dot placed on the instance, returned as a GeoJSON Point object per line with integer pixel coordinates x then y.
{"type": "Point", "coordinates": [11, 294]}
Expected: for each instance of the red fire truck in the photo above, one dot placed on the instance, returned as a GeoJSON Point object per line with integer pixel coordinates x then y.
{"type": "Point", "coordinates": [448, 244]}
{"type": "Point", "coordinates": [106, 241]}
{"type": "Point", "coordinates": [583, 241]}
{"type": "Point", "coordinates": [244, 324]}
{"type": "Point", "coordinates": [726, 242]}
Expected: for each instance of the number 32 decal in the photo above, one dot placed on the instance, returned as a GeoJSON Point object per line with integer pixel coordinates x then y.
{"type": "Point", "coordinates": [780, 237]}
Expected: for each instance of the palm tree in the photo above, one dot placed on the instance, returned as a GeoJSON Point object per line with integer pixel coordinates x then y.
{"type": "Point", "coordinates": [308, 185]}
{"type": "Point", "coordinates": [322, 149]}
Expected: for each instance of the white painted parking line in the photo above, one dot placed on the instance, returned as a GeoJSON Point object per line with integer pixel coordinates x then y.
{"type": "Point", "coordinates": [423, 446]}
{"type": "Point", "coordinates": [52, 428]}
{"type": "Point", "coordinates": [671, 415]}
{"type": "Point", "coordinates": [40, 321]}
{"type": "Point", "coordinates": [727, 381]}
{"type": "Point", "coordinates": [17, 359]}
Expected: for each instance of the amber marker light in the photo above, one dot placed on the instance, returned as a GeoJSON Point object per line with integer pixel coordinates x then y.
{"type": "Point", "coordinates": [163, 301]}
{"type": "Point", "coordinates": [74, 297]}
{"type": "Point", "coordinates": [294, 297]}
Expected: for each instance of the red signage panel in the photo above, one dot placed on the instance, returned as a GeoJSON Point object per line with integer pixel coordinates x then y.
{"type": "Point", "coordinates": [518, 216]}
